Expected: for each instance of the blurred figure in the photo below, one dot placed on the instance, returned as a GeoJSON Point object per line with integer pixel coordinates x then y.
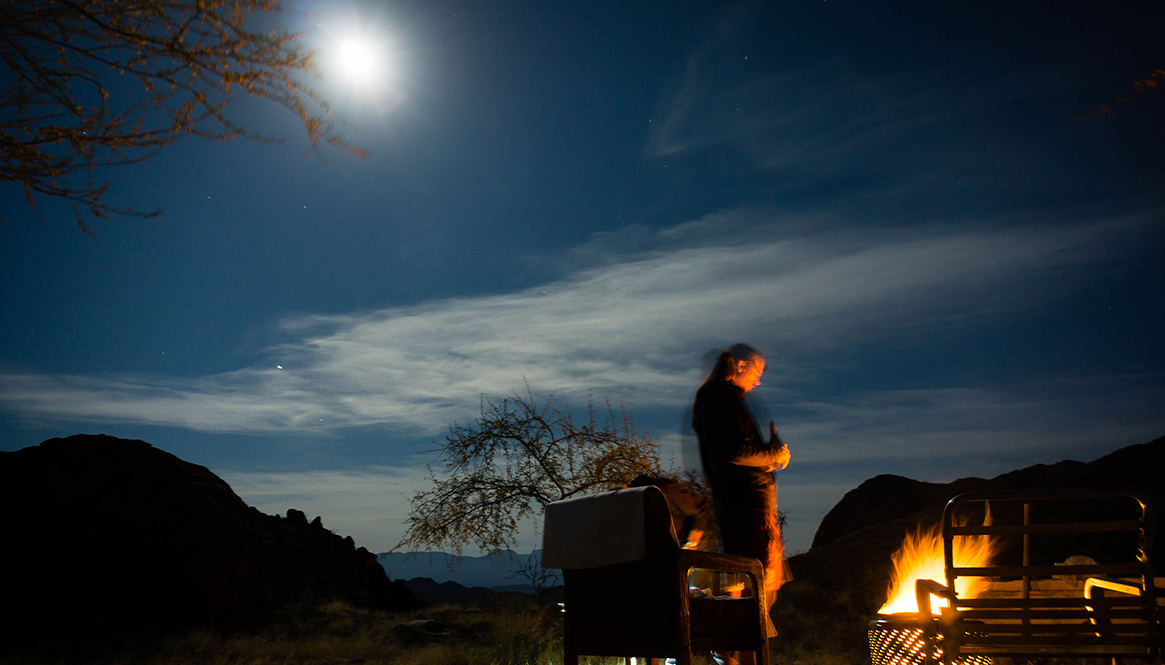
{"type": "Point", "coordinates": [691, 517]}
{"type": "Point", "coordinates": [739, 464]}
{"type": "Point", "coordinates": [691, 514]}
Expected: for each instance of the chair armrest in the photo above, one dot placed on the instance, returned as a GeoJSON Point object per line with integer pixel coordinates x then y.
{"type": "Point", "coordinates": [1112, 584]}
{"type": "Point", "coordinates": [690, 559]}
{"type": "Point", "coordinates": [923, 590]}
{"type": "Point", "coordinates": [712, 561]}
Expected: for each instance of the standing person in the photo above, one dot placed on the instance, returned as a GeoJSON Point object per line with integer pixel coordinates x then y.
{"type": "Point", "coordinates": [739, 464]}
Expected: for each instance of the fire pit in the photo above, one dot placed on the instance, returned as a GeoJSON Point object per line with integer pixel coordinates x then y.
{"type": "Point", "coordinates": [896, 636]}
{"type": "Point", "coordinates": [896, 639]}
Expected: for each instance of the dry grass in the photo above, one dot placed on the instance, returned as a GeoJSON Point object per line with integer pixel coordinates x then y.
{"type": "Point", "coordinates": [338, 634]}
{"type": "Point", "coordinates": [514, 633]}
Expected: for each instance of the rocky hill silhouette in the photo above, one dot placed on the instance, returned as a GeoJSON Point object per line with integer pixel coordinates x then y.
{"type": "Point", "coordinates": [107, 536]}
{"type": "Point", "coordinates": [847, 570]}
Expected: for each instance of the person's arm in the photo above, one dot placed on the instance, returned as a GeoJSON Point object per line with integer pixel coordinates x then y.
{"type": "Point", "coordinates": [728, 434]}
{"type": "Point", "coordinates": [743, 445]}
{"type": "Point", "coordinates": [782, 449]}
{"type": "Point", "coordinates": [702, 520]}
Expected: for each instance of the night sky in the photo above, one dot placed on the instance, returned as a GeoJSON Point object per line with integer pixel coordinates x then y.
{"type": "Point", "coordinates": [943, 222]}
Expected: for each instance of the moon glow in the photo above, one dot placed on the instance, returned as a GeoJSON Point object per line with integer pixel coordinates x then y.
{"type": "Point", "coordinates": [359, 61]}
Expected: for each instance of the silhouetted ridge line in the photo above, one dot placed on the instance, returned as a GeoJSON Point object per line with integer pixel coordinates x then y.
{"type": "Point", "coordinates": [110, 536]}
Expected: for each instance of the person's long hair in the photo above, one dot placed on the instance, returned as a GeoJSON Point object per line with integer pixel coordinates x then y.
{"type": "Point", "coordinates": [725, 367]}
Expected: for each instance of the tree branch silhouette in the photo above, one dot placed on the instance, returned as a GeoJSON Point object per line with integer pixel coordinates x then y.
{"type": "Point", "coordinates": [92, 84]}
{"type": "Point", "coordinates": [515, 458]}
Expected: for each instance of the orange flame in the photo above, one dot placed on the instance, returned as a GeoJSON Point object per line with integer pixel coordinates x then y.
{"type": "Point", "coordinates": [921, 557]}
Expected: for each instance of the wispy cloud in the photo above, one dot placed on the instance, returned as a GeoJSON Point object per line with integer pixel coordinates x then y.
{"type": "Point", "coordinates": [629, 319]}
{"type": "Point", "coordinates": [826, 120]}
{"type": "Point", "coordinates": [630, 328]}
{"type": "Point", "coordinates": [930, 434]}
{"type": "Point", "coordinates": [815, 118]}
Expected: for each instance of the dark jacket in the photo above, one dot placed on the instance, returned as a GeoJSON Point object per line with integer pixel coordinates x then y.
{"type": "Point", "coordinates": [737, 460]}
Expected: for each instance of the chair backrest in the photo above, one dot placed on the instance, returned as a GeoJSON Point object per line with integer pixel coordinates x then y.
{"type": "Point", "coordinates": [606, 529]}
{"type": "Point", "coordinates": [1050, 541]}
{"type": "Point", "coordinates": [1038, 530]}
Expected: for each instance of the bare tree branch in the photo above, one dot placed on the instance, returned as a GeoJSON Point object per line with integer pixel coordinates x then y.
{"type": "Point", "coordinates": [539, 578]}
{"type": "Point", "coordinates": [514, 459]}
{"type": "Point", "coordinates": [91, 84]}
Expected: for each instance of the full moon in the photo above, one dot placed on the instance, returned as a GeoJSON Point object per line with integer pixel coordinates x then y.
{"type": "Point", "coordinates": [359, 61]}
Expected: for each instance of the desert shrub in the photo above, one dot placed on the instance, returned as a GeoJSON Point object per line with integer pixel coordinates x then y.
{"type": "Point", "coordinates": [529, 636]}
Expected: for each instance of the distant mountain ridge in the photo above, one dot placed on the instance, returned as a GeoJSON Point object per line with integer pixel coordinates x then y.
{"type": "Point", "coordinates": [492, 571]}
{"type": "Point", "coordinates": [452, 593]}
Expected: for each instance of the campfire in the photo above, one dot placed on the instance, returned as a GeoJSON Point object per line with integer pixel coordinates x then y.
{"type": "Point", "coordinates": [895, 637]}
{"type": "Point", "coordinates": [921, 557]}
